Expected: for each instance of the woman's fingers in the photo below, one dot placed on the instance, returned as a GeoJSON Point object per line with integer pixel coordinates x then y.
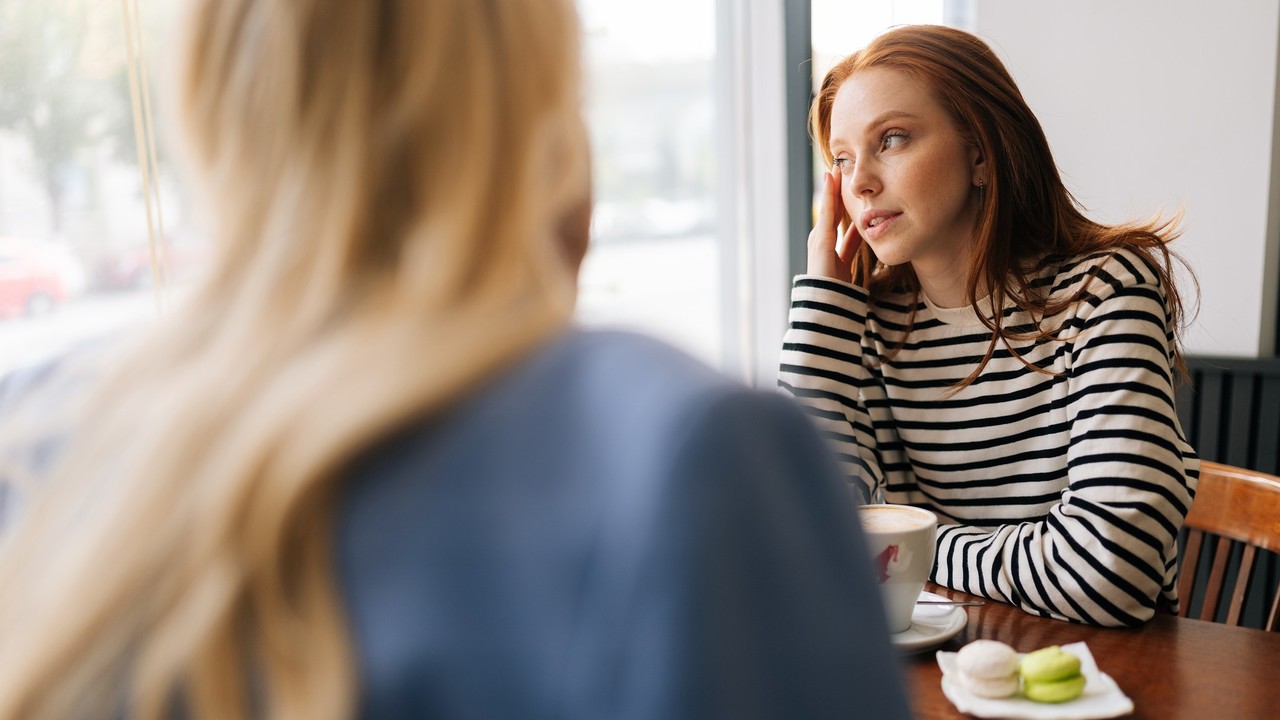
{"type": "Point", "coordinates": [823, 236]}
{"type": "Point", "coordinates": [827, 251]}
{"type": "Point", "coordinates": [847, 247]}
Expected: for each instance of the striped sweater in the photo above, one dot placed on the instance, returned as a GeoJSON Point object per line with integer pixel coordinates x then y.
{"type": "Point", "coordinates": [1060, 493]}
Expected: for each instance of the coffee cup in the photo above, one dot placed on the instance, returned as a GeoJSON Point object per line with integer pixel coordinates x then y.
{"type": "Point", "coordinates": [900, 538]}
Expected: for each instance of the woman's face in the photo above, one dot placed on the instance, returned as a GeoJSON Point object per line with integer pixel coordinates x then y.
{"type": "Point", "coordinates": [909, 181]}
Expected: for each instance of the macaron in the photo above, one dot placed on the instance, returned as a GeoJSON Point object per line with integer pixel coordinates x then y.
{"type": "Point", "coordinates": [988, 668]}
{"type": "Point", "coordinates": [1051, 675]}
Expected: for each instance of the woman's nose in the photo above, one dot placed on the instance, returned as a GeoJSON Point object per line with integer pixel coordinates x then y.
{"type": "Point", "coordinates": [865, 179]}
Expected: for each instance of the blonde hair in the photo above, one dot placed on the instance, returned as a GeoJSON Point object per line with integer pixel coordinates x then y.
{"type": "Point", "coordinates": [386, 180]}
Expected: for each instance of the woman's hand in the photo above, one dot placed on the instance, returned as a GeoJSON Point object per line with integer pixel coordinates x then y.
{"type": "Point", "coordinates": [831, 255]}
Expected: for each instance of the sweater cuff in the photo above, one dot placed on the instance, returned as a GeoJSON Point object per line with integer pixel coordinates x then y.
{"type": "Point", "coordinates": [829, 291]}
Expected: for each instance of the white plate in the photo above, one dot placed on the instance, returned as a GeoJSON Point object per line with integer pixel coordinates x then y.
{"type": "Point", "coordinates": [1102, 697]}
{"type": "Point", "coordinates": [930, 625]}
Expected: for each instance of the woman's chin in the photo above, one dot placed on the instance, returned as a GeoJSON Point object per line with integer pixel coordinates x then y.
{"type": "Point", "coordinates": [886, 256]}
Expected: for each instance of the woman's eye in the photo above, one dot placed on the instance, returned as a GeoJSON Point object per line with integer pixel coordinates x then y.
{"type": "Point", "coordinates": [892, 140]}
{"type": "Point", "coordinates": [843, 164]}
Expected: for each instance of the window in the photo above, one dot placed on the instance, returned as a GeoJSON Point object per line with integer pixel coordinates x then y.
{"type": "Point", "coordinates": [75, 245]}
{"type": "Point", "coordinates": [690, 129]}
{"type": "Point", "coordinates": [840, 27]}
{"type": "Point", "coordinates": [654, 258]}
{"type": "Point", "coordinates": [689, 238]}
{"type": "Point", "coordinates": [78, 214]}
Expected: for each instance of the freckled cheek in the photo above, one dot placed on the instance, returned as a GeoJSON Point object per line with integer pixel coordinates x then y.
{"type": "Point", "coordinates": [846, 195]}
{"type": "Point", "coordinates": [934, 172]}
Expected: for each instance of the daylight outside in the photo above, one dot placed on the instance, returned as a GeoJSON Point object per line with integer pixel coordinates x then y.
{"type": "Point", "coordinates": [90, 243]}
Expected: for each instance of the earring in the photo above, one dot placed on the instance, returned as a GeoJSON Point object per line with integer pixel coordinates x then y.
{"type": "Point", "coordinates": [981, 184]}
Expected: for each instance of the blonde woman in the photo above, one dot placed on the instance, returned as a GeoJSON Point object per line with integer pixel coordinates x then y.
{"type": "Point", "coordinates": [368, 470]}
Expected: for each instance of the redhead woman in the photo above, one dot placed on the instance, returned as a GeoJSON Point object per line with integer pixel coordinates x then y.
{"type": "Point", "coordinates": [974, 344]}
{"type": "Point", "coordinates": [369, 470]}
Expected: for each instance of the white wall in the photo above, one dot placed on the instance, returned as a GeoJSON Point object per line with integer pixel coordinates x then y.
{"type": "Point", "coordinates": [1154, 104]}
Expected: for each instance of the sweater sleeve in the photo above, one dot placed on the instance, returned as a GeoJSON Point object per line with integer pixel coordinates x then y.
{"type": "Point", "coordinates": [823, 367]}
{"type": "Point", "coordinates": [1106, 551]}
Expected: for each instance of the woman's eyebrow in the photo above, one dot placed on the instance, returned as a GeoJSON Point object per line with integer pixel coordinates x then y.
{"type": "Point", "coordinates": [880, 119]}
{"type": "Point", "coordinates": [891, 115]}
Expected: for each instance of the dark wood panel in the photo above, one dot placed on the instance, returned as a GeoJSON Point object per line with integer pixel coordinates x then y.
{"type": "Point", "coordinates": [1238, 420]}
{"type": "Point", "coordinates": [1212, 394]}
{"type": "Point", "coordinates": [1267, 453]}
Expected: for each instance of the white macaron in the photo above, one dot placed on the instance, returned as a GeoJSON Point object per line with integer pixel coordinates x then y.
{"type": "Point", "coordinates": [988, 668]}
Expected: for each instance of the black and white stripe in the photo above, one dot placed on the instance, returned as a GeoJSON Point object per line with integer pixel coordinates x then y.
{"type": "Point", "coordinates": [1061, 493]}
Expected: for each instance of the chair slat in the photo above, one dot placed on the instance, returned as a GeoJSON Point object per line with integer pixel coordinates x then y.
{"type": "Point", "coordinates": [1247, 559]}
{"type": "Point", "coordinates": [1190, 563]}
{"type": "Point", "coordinates": [1217, 572]}
{"type": "Point", "coordinates": [1273, 617]}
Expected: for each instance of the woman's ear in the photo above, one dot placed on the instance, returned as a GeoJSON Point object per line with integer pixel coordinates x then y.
{"type": "Point", "coordinates": [978, 166]}
{"type": "Point", "coordinates": [573, 231]}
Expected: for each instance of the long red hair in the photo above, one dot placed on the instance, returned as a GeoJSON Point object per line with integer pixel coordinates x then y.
{"type": "Point", "coordinates": [1027, 220]}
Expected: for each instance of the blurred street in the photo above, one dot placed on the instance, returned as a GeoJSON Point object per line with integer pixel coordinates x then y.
{"type": "Point", "coordinates": [666, 287]}
{"type": "Point", "coordinates": [26, 340]}
{"type": "Point", "coordinates": [669, 288]}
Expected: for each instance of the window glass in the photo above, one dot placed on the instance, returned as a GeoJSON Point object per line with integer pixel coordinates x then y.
{"type": "Point", "coordinates": [83, 252]}
{"type": "Point", "coordinates": [653, 263]}
{"type": "Point", "coordinates": [75, 249]}
{"type": "Point", "coordinates": [840, 26]}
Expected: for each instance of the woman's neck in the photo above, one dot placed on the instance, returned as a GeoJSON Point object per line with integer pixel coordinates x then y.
{"type": "Point", "coordinates": [947, 292]}
{"type": "Point", "coordinates": [944, 276]}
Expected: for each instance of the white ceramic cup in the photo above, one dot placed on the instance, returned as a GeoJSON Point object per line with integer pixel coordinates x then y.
{"type": "Point", "coordinates": [900, 538]}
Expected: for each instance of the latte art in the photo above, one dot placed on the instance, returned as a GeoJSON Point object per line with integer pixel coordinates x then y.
{"type": "Point", "coordinates": [893, 518]}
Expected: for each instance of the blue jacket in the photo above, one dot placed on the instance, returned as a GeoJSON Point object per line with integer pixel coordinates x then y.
{"type": "Point", "coordinates": [611, 530]}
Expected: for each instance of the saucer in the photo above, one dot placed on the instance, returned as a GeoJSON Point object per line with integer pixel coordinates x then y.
{"type": "Point", "coordinates": [1102, 697]}
{"type": "Point", "coordinates": [930, 625]}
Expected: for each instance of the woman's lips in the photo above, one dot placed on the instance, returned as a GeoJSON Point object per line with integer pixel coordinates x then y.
{"type": "Point", "coordinates": [880, 225]}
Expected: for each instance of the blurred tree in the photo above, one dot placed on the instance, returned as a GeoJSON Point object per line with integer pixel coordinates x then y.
{"type": "Point", "coordinates": [55, 91]}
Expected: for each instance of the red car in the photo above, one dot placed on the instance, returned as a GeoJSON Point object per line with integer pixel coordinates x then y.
{"type": "Point", "coordinates": [128, 267]}
{"type": "Point", "coordinates": [31, 281]}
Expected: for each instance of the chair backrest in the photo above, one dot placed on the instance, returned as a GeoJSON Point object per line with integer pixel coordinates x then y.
{"type": "Point", "coordinates": [1237, 506]}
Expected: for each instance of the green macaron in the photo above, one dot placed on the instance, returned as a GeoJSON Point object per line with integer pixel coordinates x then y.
{"type": "Point", "coordinates": [1048, 664]}
{"type": "Point", "coordinates": [1051, 675]}
{"type": "Point", "coordinates": [1054, 691]}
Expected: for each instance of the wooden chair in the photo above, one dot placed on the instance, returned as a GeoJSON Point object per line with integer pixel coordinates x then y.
{"type": "Point", "coordinates": [1238, 506]}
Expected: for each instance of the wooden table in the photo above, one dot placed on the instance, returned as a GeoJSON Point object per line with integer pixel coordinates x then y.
{"type": "Point", "coordinates": [1172, 668]}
